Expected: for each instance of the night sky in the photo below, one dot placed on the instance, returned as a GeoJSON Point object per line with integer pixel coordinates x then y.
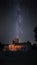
{"type": "Point", "coordinates": [8, 13]}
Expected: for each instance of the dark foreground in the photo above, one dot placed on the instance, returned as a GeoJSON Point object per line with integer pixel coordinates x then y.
{"type": "Point", "coordinates": [18, 58]}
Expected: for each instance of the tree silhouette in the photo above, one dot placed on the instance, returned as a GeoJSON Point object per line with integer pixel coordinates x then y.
{"type": "Point", "coordinates": [35, 31]}
{"type": "Point", "coordinates": [1, 46]}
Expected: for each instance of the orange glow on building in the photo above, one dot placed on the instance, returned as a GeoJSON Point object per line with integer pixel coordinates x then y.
{"type": "Point", "coordinates": [13, 47]}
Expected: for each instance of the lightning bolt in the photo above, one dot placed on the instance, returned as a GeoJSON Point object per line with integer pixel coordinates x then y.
{"type": "Point", "coordinates": [18, 23]}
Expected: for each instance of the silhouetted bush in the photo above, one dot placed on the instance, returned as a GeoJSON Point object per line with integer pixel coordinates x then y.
{"type": "Point", "coordinates": [34, 47]}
